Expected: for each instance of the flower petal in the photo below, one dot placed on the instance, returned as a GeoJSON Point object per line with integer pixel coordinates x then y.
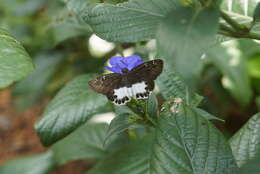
{"type": "Point", "coordinates": [130, 59]}
{"type": "Point", "coordinates": [133, 61]}
{"type": "Point", "coordinates": [113, 69]}
{"type": "Point", "coordinates": [117, 61]}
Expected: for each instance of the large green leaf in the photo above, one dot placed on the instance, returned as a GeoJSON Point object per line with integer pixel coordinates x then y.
{"type": "Point", "coordinates": [245, 143]}
{"type": "Point", "coordinates": [131, 21]}
{"type": "Point", "coordinates": [84, 143]}
{"type": "Point", "coordinates": [70, 108]}
{"type": "Point", "coordinates": [22, 8]}
{"type": "Point", "coordinates": [188, 143]}
{"type": "Point", "coordinates": [182, 38]}
{"type": "Point", "coordinates": [131, 159]}
{"type": "Point", "coordinates": [76, 6]}
{"type": "Point", "coordinates": [233, 68]}
{"type": "Point", "coordinates": [118, 125]}
{"type": "Point", "coordinates": [251, 167]}
{"type": "Point", "coordinates": [185, 142]}
{"type": "Point", "coordinates": [172, 86]}
{"type": "Point", "coordinates": [15, 63]}
{"type": "Point", "coordinates": [37, 164]}
{"type": "Point", "coordinates": [152, 106]}
{"type": "Point", "coordinates": [66, 25]}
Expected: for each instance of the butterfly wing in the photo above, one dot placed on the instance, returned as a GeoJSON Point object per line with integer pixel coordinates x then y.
{"type": "Point", "coordinates": [138, 83]}
{"type": "Point", "coordinates": [147, 71]}
{"type": "Point", "coordinates": [142, 78]}
{"type": "Point", "coordinates": [105, 83]}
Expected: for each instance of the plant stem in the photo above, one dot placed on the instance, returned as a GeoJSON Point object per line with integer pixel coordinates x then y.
{"type": "Point", "coordinates": [120, 49]}
{"type": "Point", "coordinates": [226, 28]}
{"type": "Point", "coordinates": [238, 27]}
{"type": "Point", "coordinates": [252, 35]}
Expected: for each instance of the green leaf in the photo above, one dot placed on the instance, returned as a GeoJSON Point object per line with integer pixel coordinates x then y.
{"type": "Point", "coordinates": [253, 67]}
{"type": "Point", "coordinates": [256, 15]}
{"type": "Point", "coordinates": [172, 86]}
{"type": "Point", "coordinates": [257, 100]}
{"type": "Point", "coordinates": [207, 115]}
{"type": "Point", "coordinates": [37, 164]}
{"type": "Point", "coordinates": [131, 21]}
{"type": "Point", "coordinates": [248, 47]}
{"type": "Point", "coordinates": [70, 108]}
{"type": "Point", "coordinates": [117, 126]}
{"type": "Point", "coordinates": [84, 143]}
{"type": "Point", "coordinates": [251, 167]}
{"type": "Point", "coordinates": [15, 63]}
{"type": "Point", "coordinates": [245, 143]}
{"type": "Point", "coordinates": [123, 109]}
{"type": "Point", "coordinates": [131, 159]}
{"type": "Point", "coordinates": [188, 143]}
{"type": "Point", "coordinates": [177, 35]}
{"type": "Point", "coordinates": [77, 6]}
{"type": "Point", "coordinates": [152, 106]}
{"type": "Point", "coordinates": [32, 87]}
{"type": "Point", "coordinates": [66, 25]}
{"type": "Point", "coordinates": [184, 143]}
{"type": "Point", "coordinates": [23, 8]}
{"type": "Point", "coordinates": [233, 68]}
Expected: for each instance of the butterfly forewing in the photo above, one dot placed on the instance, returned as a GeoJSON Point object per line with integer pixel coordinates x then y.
{"type": "Point", "coordinates": [147, 71]}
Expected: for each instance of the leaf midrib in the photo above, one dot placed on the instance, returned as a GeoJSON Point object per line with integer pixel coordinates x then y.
{"type": "Point", "coordinates": [136, 10]}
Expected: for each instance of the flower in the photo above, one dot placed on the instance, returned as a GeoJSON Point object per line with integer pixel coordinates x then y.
{"type": "Point", "coordinates": [119, 63]}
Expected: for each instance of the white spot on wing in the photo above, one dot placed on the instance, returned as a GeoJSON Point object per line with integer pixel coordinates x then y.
{"type": "Point", "coordinates": [137, 88]}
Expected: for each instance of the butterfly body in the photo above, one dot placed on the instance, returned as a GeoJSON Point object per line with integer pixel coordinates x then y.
{"type": "Point", "coordinates": [137, 83]}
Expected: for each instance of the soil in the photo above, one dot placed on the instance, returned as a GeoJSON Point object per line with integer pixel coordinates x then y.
{"type": "Point", "coordinates": [18, 137]}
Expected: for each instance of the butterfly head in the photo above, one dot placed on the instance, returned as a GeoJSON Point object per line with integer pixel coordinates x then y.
{"type": "Point", "coordinates": [124, 70]}
{"type": "Point", "coordinates": [122, 65]}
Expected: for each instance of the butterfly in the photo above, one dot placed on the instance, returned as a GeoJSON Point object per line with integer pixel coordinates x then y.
{"type": "Point", "coordinates": [136, 83]}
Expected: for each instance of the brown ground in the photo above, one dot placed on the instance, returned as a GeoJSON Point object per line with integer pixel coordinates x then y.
{"type": "Point", "coordinates": [18, 137]}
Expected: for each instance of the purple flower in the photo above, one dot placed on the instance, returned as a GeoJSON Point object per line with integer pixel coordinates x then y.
{"type": "Point", "coordinates": [124, 63]}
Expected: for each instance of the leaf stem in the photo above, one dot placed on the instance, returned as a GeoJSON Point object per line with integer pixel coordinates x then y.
{"type": "Point", "coordinates": [119, 49]}
{"type": "Point", "coordinates": [226, 28]}
{"type": "Point", "coordinates": [238, 27]}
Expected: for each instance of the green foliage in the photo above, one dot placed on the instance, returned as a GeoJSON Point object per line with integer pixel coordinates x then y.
{"type": "Point", "coordinates": [84, 143]}
{"type": "Point", "coordinates": [118, 125]}
{"type": "Point", "coordinates": [15, 63]}
{"type": "Point", "coordinates": [70, 108]}
{"type": "Point", "coordinates": [32, 87]}
{"type": "Point", "coordinates": [235, 79]}
{"type": "Point", "coordinates": [256, 15]}
{"type": "Point", "coordinates": [173, 130]}
{"type": "Point", "coordinates": [66, 26]}
{"type": "Point", "coordinates": [245, 143]}
{"type": "Point", "coordinates": [172, 86]}
{"type": "Point", "coordinates": [176, 146]}
{"type": "Point", "coordinates": [132, 158]}
{"type": "Point", "coordinates": [186, 26]}
{"type": "Point", "coordinates": [131, 21]}
{"type": "Point", "coordinates": [152, 106]}
{"type": "Point", "coordinates": [38, 164]}
{"type": "Point", "coordinates": [189, 143]}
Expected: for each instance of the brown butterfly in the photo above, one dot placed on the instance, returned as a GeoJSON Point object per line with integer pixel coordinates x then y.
{"type": "Point", "coordinates": [137, 83]}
